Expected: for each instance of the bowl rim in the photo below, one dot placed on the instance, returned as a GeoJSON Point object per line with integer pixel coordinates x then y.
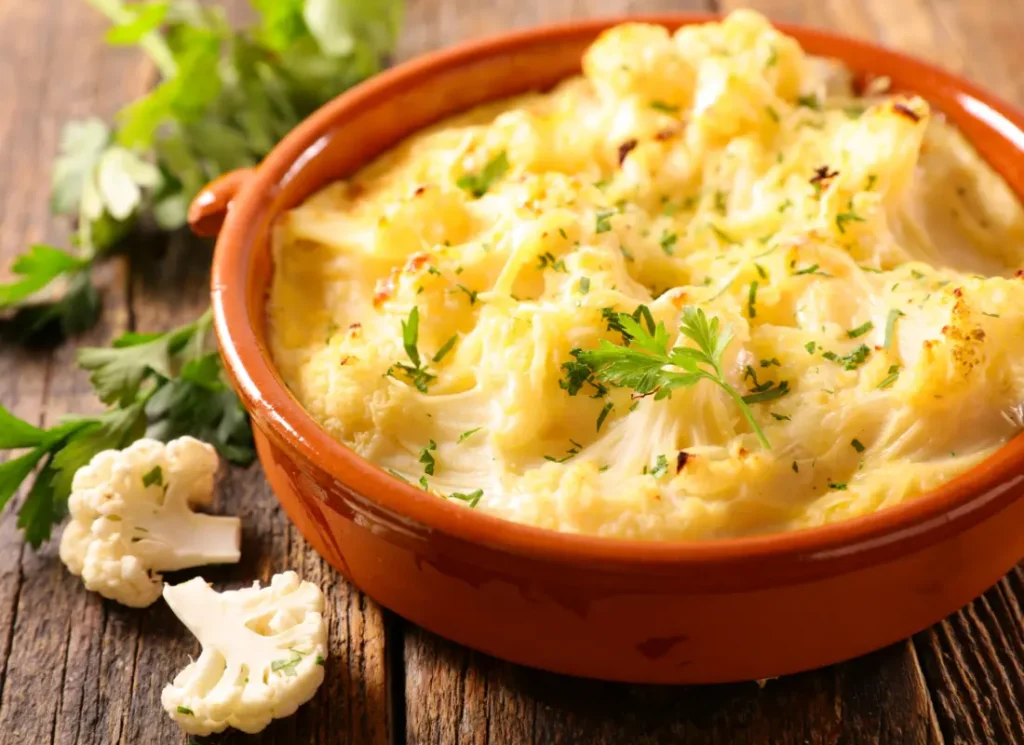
{"type": "Point", "coordinates": [940, 513]}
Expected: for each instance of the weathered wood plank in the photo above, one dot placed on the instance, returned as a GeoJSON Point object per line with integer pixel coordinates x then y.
{"type": "Point", "coordinates": [458, 696]}
{"type": "Point", "coordinates": [53, 69]}
{"type": "Point", "coordinates": [170, 287]}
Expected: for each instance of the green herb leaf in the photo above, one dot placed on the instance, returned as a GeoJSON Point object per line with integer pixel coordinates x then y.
{"type": "Point", "coordinates": [641, 362]}
{"type": "Point", "coordinates": [471, 499]}
{"type": "Point", "coordinates": [860, 330]}
{"type": "Point", "coordinates": [857, 445]}
{"type": "Point", "coordinates": [154, 476]}
{"type": "Point", "coordinates": [478, 184]}
{"type": "Point", "coordinates": [466, 435]}
{"type": "Point", "coordinates": [287, 666]}
{"type": "Point", "coordinates": [890, 327]}
{"type": "Point", "coordinates": [427, 458]}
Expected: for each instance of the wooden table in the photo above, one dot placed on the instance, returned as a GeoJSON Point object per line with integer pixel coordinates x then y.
{"type": "Point", "coordinates": [75, 669]}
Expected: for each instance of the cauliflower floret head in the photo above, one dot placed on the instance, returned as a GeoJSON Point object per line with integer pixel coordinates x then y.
{"type": "Point", "coordinates": [131, 518]}
{"type": "Point", "coordinates": [263, 653]}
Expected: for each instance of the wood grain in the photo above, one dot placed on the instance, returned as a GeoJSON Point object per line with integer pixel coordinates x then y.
{"type": "Point", "coordinates": [76, 669]}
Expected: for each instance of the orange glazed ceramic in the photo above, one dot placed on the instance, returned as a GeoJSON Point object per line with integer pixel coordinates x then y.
{"type": "Point", "coordinates": [727, 610]}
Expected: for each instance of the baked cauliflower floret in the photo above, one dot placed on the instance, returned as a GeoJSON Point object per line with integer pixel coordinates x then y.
{"type": "Point", "coordinates": [263, 653]}
{"type": "Point", "coordinates": [639, 60]}
{"type": "Point", "coordinates": [131, 518]}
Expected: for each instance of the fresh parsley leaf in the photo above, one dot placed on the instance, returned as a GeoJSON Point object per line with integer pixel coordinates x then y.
{"type": "Point", "coordinates": [641, 362]}
{"type": "Point", "coordinates": [410, 335]}
{"type": "Point", "coordinates": [604, 414]}
{"type": "Point", "coordinates": [660, 467]}
{"type": "Point", "coordinates": [752, 300]}
{"type": "Point", "coordinates": [479, 183]}
{"type": "Point", "coordinates": [36, 269]}
{"type": "Point", "coordinates": [844, 218]}
{"type": "Point", "coordinates": [427, 458]}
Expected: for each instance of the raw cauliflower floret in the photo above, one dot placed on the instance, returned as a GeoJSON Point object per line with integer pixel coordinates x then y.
{"type": "Point", "coordinates": [263, 653]}
{"type": "Point", "coordinates": [131, 519]}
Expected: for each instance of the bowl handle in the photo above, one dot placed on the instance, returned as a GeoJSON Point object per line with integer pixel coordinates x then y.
{"type": "Point", "coordinates": [207, 212]}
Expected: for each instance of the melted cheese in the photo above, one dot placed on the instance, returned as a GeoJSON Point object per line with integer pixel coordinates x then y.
{"type": "Point", "coordinates": [718, 167]}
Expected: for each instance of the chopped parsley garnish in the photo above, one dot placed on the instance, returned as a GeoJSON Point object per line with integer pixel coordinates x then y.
{"type": "Point", "coordinates": [287, 666]}
{"type": "Point", "coordinates": [576, 447]}
{"type": "Point", "coordinates": [990, 315]}
{"type": "Point", "coordinates": [664, 108]}
{"type": "Point", "coordinates": [894, 373]}
{"type": "Point", "coordinates": [604, 414]}
{"type": "Point", "coordinates": [857, 445]}
{"type": "Point", "coordinates": [423, 483]}
{"type": "Point", "coordinates": [836, 486]}
{"type": "Point", "coordinates": [584, 285]}
{"type": "Point", "coordinates": [761, 392]}
{"type": "Point", "coordinates": [187, 711]}
{"type": "Point", "coordinates": [603, 221]}
{"type": "Point", "coordinates": [721, 205]}
{"type": "Point", "coordinates": [781, 417]}
{"type": "Point", "coordinates": [890, 326]}
{"type": "Point", "coordinates": [752, 300]}
{"type": "Point", "coordinates": [811, 347]}
{"type": "Point", "coordinates": [785, 206]}
{"type": "Point", "coordinates": [431, 269]}
{"type": "Point", "coordinates": [668, 242]}
{"type": "Point", "coordinates": [795, 467]}
{"type": "Point", "coordinates": [467, 434]}
{"type": "Point", "coordinates": [445, 348]}
{"type": "Point", "coordinates": [417, 372]}
{"type": "Point", "coordinates": [760, 271]}
{"type": "Point", "coordinates": [847, 217]}
{"type": "Point", "coordinates": [872, 180]}
{"type": "Point", "coordinates": [154, 476]}
{"type": "Point", "coordinates": [774, 361]}
{"type": "Point", "coordinates": [478, 184]}
{"type": "Point", "coordinates": [812, 269]}
{"type": "Point", "coordinates": [398, 476]}
{"type": "Point", "coordinates": [471, 499]}
{"type": "Point", "coordinates": [548, 259]}
{"type": "Point", "coordinates": [772, 113]}
{"type": "Point", "coordinates": [810, 102]}
{"type": "Point", "coordinates": [860, 330]}
{"type": "Point", "coordinates": [626, 254]}
{"type": "Point", "coordinates": [469, 293]}
{"type": "Point", "coordinates": [641, 364]}
{"type": "Point", "coordinates": [916, 274]}
{"type": "Point", "coordinates": [850, 361]}
{"type": "Point", "coordinates": [577, 374]}
{"type": "Point", "coordinates": [660, 467]}
{"type": "Point", "coordinates": [320, 660]}
{"type": "Point", "coordinates": [427, 458]}
{"type": "Point", "coordinates": [722, 235]}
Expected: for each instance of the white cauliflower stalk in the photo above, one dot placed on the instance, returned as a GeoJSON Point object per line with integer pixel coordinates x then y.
{"type": "Point", "coordinates": [263, 653]}
{"type": "Point", "coordinates": [131, 519]}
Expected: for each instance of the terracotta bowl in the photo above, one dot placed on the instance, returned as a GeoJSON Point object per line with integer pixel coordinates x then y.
{"type": "Point", "coordinates": [615, 609]}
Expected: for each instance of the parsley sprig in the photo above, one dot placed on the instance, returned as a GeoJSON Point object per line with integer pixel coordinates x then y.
{"type": "Point", "coordinates": [641, 362]}
{"type": "Point", "coordinates": [156, 385]}
{"type": "Point", "coordinates": [224, 98]}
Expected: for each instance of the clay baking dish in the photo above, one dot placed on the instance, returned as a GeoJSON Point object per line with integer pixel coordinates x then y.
{"type": "Point", "coordinates": [614, 609]}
